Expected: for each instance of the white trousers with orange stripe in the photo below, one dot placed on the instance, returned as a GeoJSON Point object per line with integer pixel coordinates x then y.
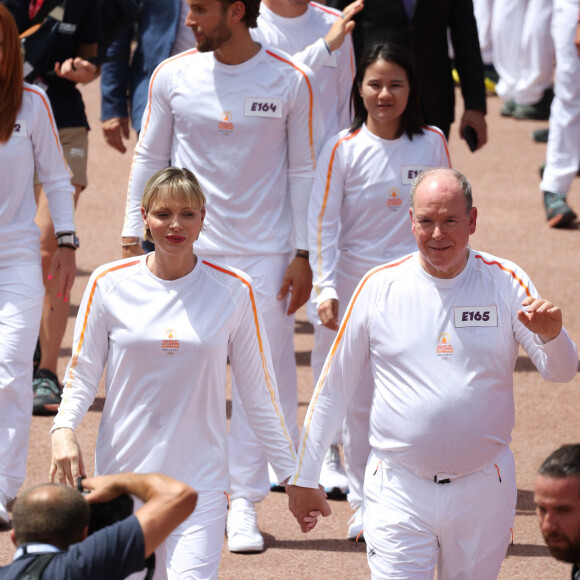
{"type": "Point", "coordinates": [247, 460]}
{"type": "Point", "coordinates": [21, 295]}
{"type": "Point", "coordinates": [413, 524]}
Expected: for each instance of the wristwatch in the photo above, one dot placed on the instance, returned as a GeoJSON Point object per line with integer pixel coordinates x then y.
{"type": "Point", "coordinates": [67, 240]}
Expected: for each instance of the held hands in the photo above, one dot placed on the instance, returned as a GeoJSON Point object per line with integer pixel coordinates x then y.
{"type": "Point", "coordinates": [67, 460]}
{"type": "Point", "coordinates": [306, 504]}
{"type": "Point", "coordinates": [77, 70]}
{"type": "Point", "coordinates": [541, 317]}
{"type": "Point", "coordinates": [476, 120]}
{"type": "Point", "coordinates": [64, 266]}
{"type": "Point", "coordinates": [328, 313]}
{"type": "Point", "coordinates": [343, 26]}
{"type": "Point", "coordinates": [114, 131]}
{"type": "Point", "coordinates": [298, 281]}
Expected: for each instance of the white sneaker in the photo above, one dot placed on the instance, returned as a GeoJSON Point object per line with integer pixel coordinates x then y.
{"type": "Point", "coordinates": [242, 527]}
{"type": "Point", "coordinates": [332, 476]}
{"type": "Point", "coordinates": [355, 527]}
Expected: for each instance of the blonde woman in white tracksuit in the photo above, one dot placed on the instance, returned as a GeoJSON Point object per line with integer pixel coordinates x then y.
{"type": "Point", "coordinates": [165, 324]}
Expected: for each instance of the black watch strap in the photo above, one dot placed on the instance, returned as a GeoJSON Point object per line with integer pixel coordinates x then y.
{"type": "Point", "coordinates": [67, 240]}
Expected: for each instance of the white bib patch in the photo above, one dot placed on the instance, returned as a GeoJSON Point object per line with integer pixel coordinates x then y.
{"type": "Point", "coordinates": [20, 128]}
{"type": "Point", "coordinates": [409, 172]}
{"type": "Point", "coordinates": [475, 316]}
{"type": "Point", "coordinates": [262, 107]}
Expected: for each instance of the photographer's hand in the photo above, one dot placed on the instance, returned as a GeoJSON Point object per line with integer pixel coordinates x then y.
{"type": "Point", "coordinates": [107, 487]}
{"type": "Point", "coordinates": [167, 502]}
{"type": "Point", "coordinates": [67, 460]}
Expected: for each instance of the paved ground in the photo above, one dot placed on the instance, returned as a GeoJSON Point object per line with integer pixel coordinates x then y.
{"type": "Point", "coordinates": [511, 224]}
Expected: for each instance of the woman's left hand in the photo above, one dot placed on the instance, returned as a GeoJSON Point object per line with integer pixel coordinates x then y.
{"type": "Point", "coordinates": [63, 266]}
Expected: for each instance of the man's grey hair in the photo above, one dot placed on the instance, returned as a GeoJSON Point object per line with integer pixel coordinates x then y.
{"type": "Point", "coordinates": [463, 182]}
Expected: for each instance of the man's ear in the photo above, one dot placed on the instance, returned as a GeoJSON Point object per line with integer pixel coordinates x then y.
{"type": "Point", "coordinates": [13, 536]}
{"type": "Point", "coordinates": [237, 10]}
{"type": "Point", "coordinates": [84, 533]}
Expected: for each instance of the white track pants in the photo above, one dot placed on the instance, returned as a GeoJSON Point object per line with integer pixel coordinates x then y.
{"type": "Point", "coordinates": [247, 460]}
{"type": "Point", "coordinates": [563, 154]}
{"type": "Point", "coordinates": [523, 52]}
{"type": "Point", "coordinates": [483, 10]}
{"type": "Point", "coordinates": [412, 524]}
{"type": "Point", "coordinates": [355, 432]}
{"type": "Point", "coordinates": [193, 550]}
{"type": "Point", "coordinates": [21, 296]}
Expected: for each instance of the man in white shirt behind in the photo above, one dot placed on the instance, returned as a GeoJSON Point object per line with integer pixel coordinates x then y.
{"type": "Point", "coordinates": [319, 37]}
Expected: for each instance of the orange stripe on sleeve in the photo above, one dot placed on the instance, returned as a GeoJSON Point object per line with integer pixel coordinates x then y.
{"type": "Point", "coordinates": [261, 347]}
{"type": "Point", "coordinates": [330, 357]}
{"type": "Point", "coordinates": [88, 309]}
{"type": "Point", "coordinates": [189, 52]}
{"type": "Point", "coordinates": [438, 132]}
{"type": "Point", "coordinates": [511, 272]}
{"type": "Point", "coordinates": [146, 124]}
{"type": "Point", "coordinates": [52, 125]}
{"type": "Point", "coordinates": [310, 130]}
{"type": "Point", "coordinates": [324, 201]}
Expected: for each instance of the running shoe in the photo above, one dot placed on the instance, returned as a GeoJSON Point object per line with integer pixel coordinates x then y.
{"type": "Point", "coordinates": [47, 393]}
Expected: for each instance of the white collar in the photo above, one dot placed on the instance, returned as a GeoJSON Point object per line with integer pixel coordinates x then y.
{"type": "Point", "coordinates": [26, 549]}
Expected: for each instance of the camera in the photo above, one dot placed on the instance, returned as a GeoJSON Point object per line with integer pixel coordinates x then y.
{"type": "Point", "coordinates": [105, 513]}
{"type": "Point", "coordinates": [109, 512]}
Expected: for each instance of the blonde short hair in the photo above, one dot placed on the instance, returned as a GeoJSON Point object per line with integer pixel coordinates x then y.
{"type": "Point", "coordinates": [173, 184]}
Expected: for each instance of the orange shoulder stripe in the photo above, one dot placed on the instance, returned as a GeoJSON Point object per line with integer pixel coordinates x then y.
{"type": "Point", "coordinates": [165, 62]}
{"type": "Point", "coordinates": [261, 347]}
{"type": "Point", "coordinates": [325, 199]}
{"type": "Point", "coordinates": [324, 9]}
{"type": "Point", "coordinates": [52, 125]}
{"type": "Point", "coordinates": [440, 133]}
{"type": "Point", "coordinates": [333, 349]}
{"type": "Point", "coordinates": [310, 113]}
{"type": "Point", "coordinates": [146, 124]}
{"type": "Point", "coordinates": [87, 311]}
{"type": "Point", "coordinates": [507, 270]}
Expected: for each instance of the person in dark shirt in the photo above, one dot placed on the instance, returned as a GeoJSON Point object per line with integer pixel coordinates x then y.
{"type": "Point", "coordinates": [54, 518]}
{"type": "Point", "coordinates": [422, 26]}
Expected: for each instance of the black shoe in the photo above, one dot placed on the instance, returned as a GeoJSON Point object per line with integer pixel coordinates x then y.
{"type": "Point", "coordinates": [539, 111]}
{"type": "Point", "coordinates": [47, 393]}
{"type": "Point", "coordinates": [558, 213]}
{"type": "Point", "coordinates": [507, 109]}
{"type": "Point", "coordinates": [540, 135]}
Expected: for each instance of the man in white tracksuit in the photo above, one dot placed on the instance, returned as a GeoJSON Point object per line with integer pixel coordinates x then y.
{"type": "Point", "coordinates": [441, 329]}
{"type": "Point", "coordinates": [245, 119]}
{"type": "Point", "coordinates": [563, 153]}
